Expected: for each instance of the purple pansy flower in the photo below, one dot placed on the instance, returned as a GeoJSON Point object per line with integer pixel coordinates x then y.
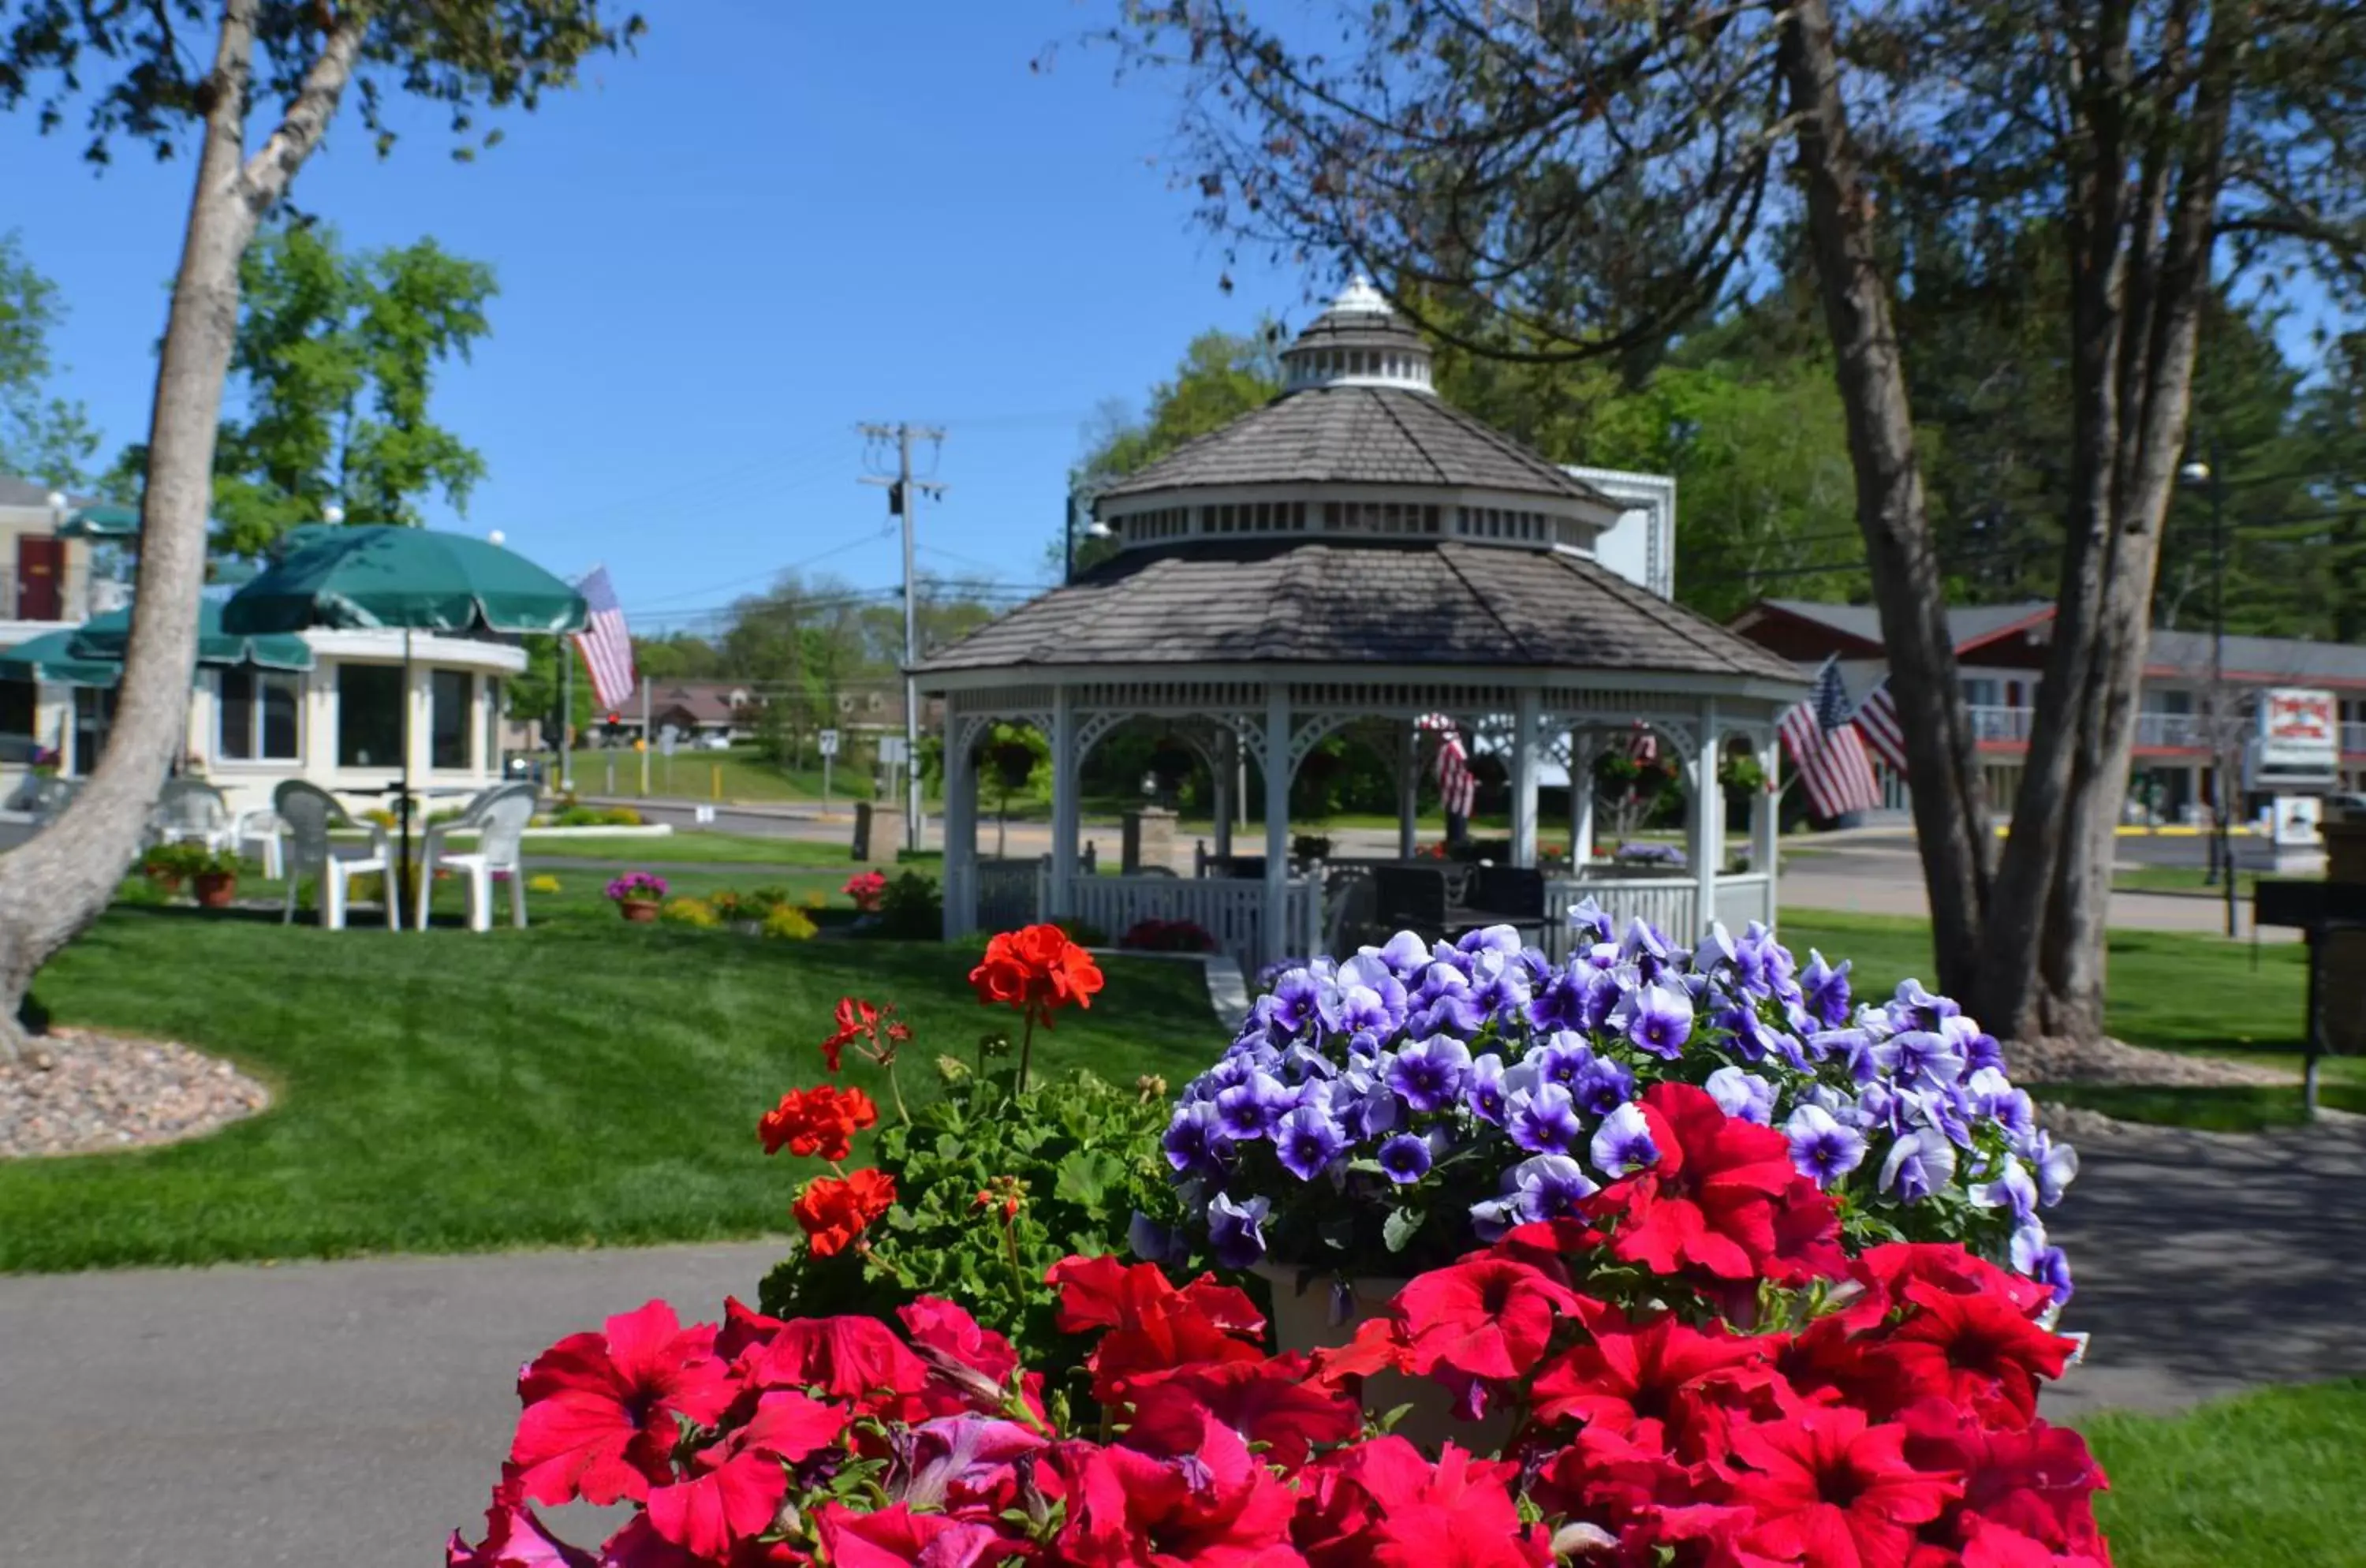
{"type": "Point", "coordinates": [1236, 1230]}
{"type": "Point", "coordinates": [1196, 1140]}
{"type": "Point", "coordinates": [1919, 1163]}
{"type": "Point", "coordinates": [1604, 1086]}
{"type": "Point", "coordinates": [1623, 1142]}
{"type": "Point", "coordinates": [1405, 1158]}
{"type": "Point", "coordinates": [1544, 1120]}
{"type": "Point", "coordinates": [1307, 1140]}
{"type": "Point", "coordinates": [2056, 1165]}
{"type": "Point", "coordinates": [1745, 1095]}
{"type": "Point", "coordinates": [1405, 953]}
{"type": "Point", "coordinates": [1547, 1187]}
{"type": "Point", "coordinates": [1821, 1149]}
{"type": "Point", "coordinates": [1484, 1092]}
{"type": "Point", "coordinates": [1657, 1019]}
{"type": "Point", "coordinates": [1824, 990]}
{"type": "Point", "coordinates": [1489, 939]}
{"type": "Point", "coordinates": [1249, 1109]}
{"type": "Point", "coordinates": [1429, 1074]}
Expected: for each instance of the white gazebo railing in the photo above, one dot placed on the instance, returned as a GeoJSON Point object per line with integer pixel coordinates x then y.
{"type": "Point", "coordinates": [1230, 910]}
{"type": "Point", "coordinates": [1671, 903]}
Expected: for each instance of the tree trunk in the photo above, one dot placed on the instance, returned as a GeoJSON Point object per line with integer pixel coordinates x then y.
{"type": "Point", "coordinates": [55, 886]}
{"type": "Point", "coordinates": [1949, 803]}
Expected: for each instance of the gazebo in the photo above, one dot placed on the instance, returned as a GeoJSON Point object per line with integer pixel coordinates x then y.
{"type": "Point", "coordinates": [1357, 555]}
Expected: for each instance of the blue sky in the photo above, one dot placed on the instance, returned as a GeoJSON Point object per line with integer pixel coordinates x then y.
{"type": "Point", "coordinates": [776, 221]}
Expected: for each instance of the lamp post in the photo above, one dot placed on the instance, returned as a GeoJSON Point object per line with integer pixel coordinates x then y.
{"type": "Point", "coordinates": [2222, 867]}
{"type": "Point", "coordinates": [1095, 529]}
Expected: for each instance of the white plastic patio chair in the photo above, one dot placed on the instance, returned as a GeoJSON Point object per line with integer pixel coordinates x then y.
{"type": "Point", "coordinates": [260, 828]}
{"type": "Point", "coordinates": [307, 812]}
{"type": "Point", "coordinates": [192, 811]}
{"type": "Point", "coordinates": [499, 817]}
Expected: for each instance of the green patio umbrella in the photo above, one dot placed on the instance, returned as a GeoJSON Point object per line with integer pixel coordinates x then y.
{"type": "Point", "coordinates": [105, 521]}
{"type": "Point", "coordinates": [377, 575]}
{"type": "Point", "coordinates": [50, 657]}
{"type": "Point", "coordinates": [106, 636]}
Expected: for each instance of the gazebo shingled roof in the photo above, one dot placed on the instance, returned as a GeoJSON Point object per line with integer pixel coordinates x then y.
{"type": "Point", "coordinates": [1355, 602]}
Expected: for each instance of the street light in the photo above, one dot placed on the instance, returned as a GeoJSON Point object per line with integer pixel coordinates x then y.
{"type": "Point", "coordinates": [333, 512]}
{"type": "Point", "coordinates": [2200, 472]}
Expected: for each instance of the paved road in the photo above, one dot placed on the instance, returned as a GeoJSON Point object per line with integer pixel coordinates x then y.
{"type": "Point", "coordinates": [352, 1412]}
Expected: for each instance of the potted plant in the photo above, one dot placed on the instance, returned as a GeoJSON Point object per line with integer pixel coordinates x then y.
{"type": "Point", "coordinates": [868, 889]}
{"type": "Point", "coordinates": [637, 895]}
{"type": "Point", "coordinates": [215, 875]}
{"type": "Point", "coordinates": [1418, 1101]}
{"type": "Point", "coordinates": [166, 866]}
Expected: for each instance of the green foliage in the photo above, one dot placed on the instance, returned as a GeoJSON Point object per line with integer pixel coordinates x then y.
{"type": "Point", "coordinates": [532, 693]}
{"type": "Point", "coordinates": [1082, 1157]}
{"type": "Point", "coordinates": [912, 909]}
{"type": "Point", "coordinates": [334, 361]}
{"type": "Point", "coordinates": [42, 437]}
{"type": "Point", "coordinates": [178, 861]}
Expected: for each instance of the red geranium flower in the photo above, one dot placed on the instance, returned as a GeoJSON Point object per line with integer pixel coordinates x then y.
{"type": "Point", "coordinates": [819, 1121]}
{"type": "Point", "coordinates": [1621, 1378]}
{"type": "Point", "coordinates": [601, 1409]}
{"type": "Point", "coordinates": [734, 1487]}
{"type": "Point", "coordinates": [857, 1019]}
{"type": "Point", "coordinates": [1036, 970]}
{"type": "Point", "coordinates": [1485, 1319]}
{"type": "Point", "coordinates": [1832, 1490]}
{"type": "Point", "coordinates": [1709, 1201]}
{"type": "Point", "coordinates": [833, 1210]}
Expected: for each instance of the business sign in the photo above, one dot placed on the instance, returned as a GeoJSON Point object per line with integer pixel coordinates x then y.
{"type": "Point", "coordinates": [2299, 729]}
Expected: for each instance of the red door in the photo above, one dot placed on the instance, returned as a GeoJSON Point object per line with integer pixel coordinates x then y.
{"type": "Point", "coordinates": [40, 572]}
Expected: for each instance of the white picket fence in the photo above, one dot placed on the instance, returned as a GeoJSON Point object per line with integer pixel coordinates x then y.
{"type": "Point", "coordinates": [1672, 904]}
{"type": "Point", "coordinates": [1233, 911]}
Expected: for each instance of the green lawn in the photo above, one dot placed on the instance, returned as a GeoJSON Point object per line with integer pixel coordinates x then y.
{"type": "Point", "coordinates": [738, 774]}
{"type": "Point", "coordinates": [2182, 879]}
{"type": "Point", "coordinates": [700, 845]}
{"type": "Point", "coordinates": [2274, 1478]}
{"type": "Point", "coordinates": [2173, 990]}
{"type": "Point", "coordinates": [585, 1081]}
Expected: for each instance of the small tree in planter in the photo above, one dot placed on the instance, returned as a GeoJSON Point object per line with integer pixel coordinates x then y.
{"type": "Point", "coordinates": [166, 866]}
{"type": "Point", "coordinates": [1012, 753]}
{"type": "Point", "coordinates": [637, 896]}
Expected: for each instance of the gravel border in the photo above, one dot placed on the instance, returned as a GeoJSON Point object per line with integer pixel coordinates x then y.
{"type": "Point", "coordinates": [2117, 1062]}
{"type": "Point", "coordinates": [77, 1092]}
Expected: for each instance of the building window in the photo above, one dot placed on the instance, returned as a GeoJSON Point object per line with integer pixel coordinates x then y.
{"type": "Point", "coordinates": [255, 720]}
{"type": "Point", "coordinates": [451, 692]}
{"type": "Point", "coordinates": [19, 702]}
{"type": "Point", "coordinates": [369, 716]}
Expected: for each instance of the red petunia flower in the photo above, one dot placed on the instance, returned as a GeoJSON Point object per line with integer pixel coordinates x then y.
{"type": "Point", "coordinates": [2026, 1494]}
{"type": "Point", "coordinates": [899, 1538]}
{"type": "Point", "coordinates": [858, 1359]}
{"type": "Point", "coordinates": [1153, 1328]}
{"type": "Point", "coordinates": [1270, 1402]}
{"type": "Point", "coordinates": [833, 1210]}
{"type": "Point", "coordinates": [818, 1123]}
{"type": "Point", "coordinates": [1832, 1490]}
{"type": "Point", "coordinates": [1383, 1502]}
{"type": "Point", "coordinates": [1487, 1318]}
{"type": "Point", "coordinates": [857, 1019]}
{"type": "Point", "coordinates": [1975, 1351]}
{"type": "Point", "coordinates": [1215, 1506]}
{"type": "Point", "coordinates": [1709, 1203]}
{"type": "Point", "coordinates": [734, 1488]}
{"type": "Point", "coordinates": [1638, 1381]}
{"type": "Point", "coordinates": [514, 1538]}
{"type": "Point", "coordinates": [603, 1411]}
{"type": "Point", "coordinates": [1036, 970]}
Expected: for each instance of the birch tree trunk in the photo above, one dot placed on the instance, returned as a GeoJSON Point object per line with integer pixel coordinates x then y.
{"type": "Point", "coordinates": [57, 885]}
{"type": "Point", "coordinates": [1949, 803]}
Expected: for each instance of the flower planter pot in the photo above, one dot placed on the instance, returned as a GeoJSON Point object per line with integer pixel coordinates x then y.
{"type": "Point", "coordinates": [168, 883]}
{"type": "Point", "coordinates": [217, 888]}
{"type": "Point", "coordinates": [1302, 1321]}
{"type": "Point", "coordinates": [640, 911]}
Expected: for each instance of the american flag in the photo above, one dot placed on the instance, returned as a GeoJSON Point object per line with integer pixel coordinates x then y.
{"type": "Point", "coordinates": [1457, 787]}
{"type": "Point", "coordinates": [1827, 750]}
{"type": "Point", "coordinates": [1877, 720]}
{"type": "Point", "coordinates": [606, 647]}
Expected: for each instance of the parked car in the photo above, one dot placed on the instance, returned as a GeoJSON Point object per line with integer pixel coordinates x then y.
{"type": "Point", "coordinates": [713, 743]}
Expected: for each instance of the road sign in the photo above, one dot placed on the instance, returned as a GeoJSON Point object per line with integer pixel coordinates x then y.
{"type": "Point", "coordinates": [892, 751]}
{"type": "Point", "coordinates": [704, 816]}
{"type": "Point", "coordinates": [829, 742]}
{"type": "Point", "coordinates": [667, 736]}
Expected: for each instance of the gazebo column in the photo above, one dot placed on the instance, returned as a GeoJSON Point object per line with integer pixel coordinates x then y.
{"type": "Point", "coordinates": [961, 831]}
{"type": "Point", "coordinates": [1223, 770]}
{"type": "Point", "coordinates": [1063, 802]}
{"type": "Point", "coordinates": [1277, 821]}
{"type": "Point", "coordinates": [1408, 792]}
{"type": "Point", "coordinates": [1707, 821]}
{"type": "Point", "coordinates": [1581, 800]}
{"type": "Point", "coordinates": [1524, 778]}
{"type": "Point", "coordinates": [1766, 816]}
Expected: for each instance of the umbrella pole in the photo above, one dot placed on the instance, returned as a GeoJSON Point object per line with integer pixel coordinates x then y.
{"type": "Point", "coordinates": [404, 809]}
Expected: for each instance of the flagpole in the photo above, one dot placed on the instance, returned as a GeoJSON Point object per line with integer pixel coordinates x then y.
{"type": "Point", "coordinates": [566, 714]}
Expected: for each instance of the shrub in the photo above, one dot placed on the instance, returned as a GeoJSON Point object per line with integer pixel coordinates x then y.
{"type": "Point", "coordinates": [545, 883]}
{"type": "Point", "coordinates": [696, 913]}
{"type": "Point", "coordinates": [1168, 936]}
{"type": "Point", "coordinates": [382, 816]}
{"type": "Point", "coordinates": [911, 909]}
{"type": "Point", "coordinates": [621, 816]}
{"type": "Point", "coordinates": [786, 922]}
{"type": "Point", "coordinates": [174, 862]}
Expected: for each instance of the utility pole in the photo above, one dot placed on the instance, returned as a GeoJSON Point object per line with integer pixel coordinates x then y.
{"type": "Point", "coordinates": [903, 492]}
{"type": "Point", "coordinates": [2220, 706]}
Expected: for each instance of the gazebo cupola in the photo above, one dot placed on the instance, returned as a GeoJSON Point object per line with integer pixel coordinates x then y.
{"type": "Point", "coordinates": [1358, 341]}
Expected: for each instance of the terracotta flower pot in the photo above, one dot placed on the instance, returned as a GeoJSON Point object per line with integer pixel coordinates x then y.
{"type": "Point", "coordinates": [165, 882]}
{"type": "Point", "coordinates": [640, 911]}
{"type": "Point", "coordinates": [217, 888]}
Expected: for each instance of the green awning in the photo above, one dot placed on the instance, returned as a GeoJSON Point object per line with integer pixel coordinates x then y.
{"type": "Point", "coordinates": [106, 636]}
{"type": "Point", "coordinates": [383, 575]}
{"type": "Point", "coordinates": [50, 657]}
{"type": "Point", "coordinates": [105, 521]}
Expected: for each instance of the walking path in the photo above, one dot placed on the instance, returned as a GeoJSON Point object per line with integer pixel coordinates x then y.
{"type": "Point", "coordinates": [354, 1412]}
